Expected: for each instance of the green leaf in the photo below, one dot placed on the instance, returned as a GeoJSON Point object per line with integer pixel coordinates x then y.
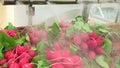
{"type": "Point", "coordinates": [54, 30]}
{"type": "Point", "coordinates": [101, 61]}
{"type": "Point", "coordinates": [1, 53]}
{"type": "Point", "coordinates": [8, 42]}
{"type": "Point", "coordinates": [22, 40]}
{"type": "Point", "coordinates": [27, 37]}
{"type": "Point", "coordinates": [107, 46]}
{"type": "Point", "coordinates": [41, 46]}
{"type": "Point", "coordinates": [117, 62]}
{"type": "Point", "coordinates": [103, 30]}
{"type": "Point", "coordinates": [70, 31]}
{"type": "Point", "coordinates": [73, 48]}
{"type": "Point", "coordinates": [87, 28]}
{"type": "Point", "coordinates": [80, 24]}
{"type": "Point", "coordinates": [10, 27]}
{"type": "Point", "coordinates": [40, 63]}
{"type": "Point", "coordinates": [41, 56]}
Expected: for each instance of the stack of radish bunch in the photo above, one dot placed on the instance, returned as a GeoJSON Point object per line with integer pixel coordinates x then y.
{"type": "Point", "coordinates": [37, 35]}
{"type": "Point", "coordinates": [19, 57]}
{"type": "Point", "coordinates": [92, 43]}
{"type": "Point", "coordinates": [63, 58]}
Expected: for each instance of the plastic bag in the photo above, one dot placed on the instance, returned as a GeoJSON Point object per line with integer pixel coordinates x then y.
{"type": "Point", "coordinates": [103, 13]}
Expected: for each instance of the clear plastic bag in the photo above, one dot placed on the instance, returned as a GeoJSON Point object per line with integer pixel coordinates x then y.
{"type": "Point", "coordinates": [103, 13]}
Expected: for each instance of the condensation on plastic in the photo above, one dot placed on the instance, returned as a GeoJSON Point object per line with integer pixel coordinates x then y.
{"type": "Point", "coordinates": [118, 1]}
{"type": "Point", "coordinates": [67, 15]}
{"type": "Point", "coordinates": [87, 1]}
{"type": "Point", "coordinates": [103, 13]}
{"type": "Point", "coordinates": [106, 1]}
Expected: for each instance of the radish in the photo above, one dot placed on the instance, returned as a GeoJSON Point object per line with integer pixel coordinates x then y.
{"type": "Point", "coordinates": [27, 65]}
{"type": "Point", "coordinates": [68, 62]}
{"type": "Point", "coordinates": [34, 40]}
{"type": "Point", "coordinates": [57, 46]}
{"type": "Point", "coordinates": [92, 44]}
{"type": "Point", "coordinates": [12, 60]}
{"type": "Point", "coordinates": [10, 54]}
{"type": "Point", "coordinates": [99, 50]}
{"type": "Point", "coordinates": [20, 49]}
{"type": "Point", "coordinates": [14, 65]}
{"type": "Point", "coordinates": [76, 40]}
{"type": "Point", "coordinates": [58, 66]}
{"type": "Point", "coordinates": [78, 66]}
{"type": "Point", "coordinates": [25, 55]}
{"type": "Point", "coordinates": [92, 54]}
{"type": "Point", "coordinates": [93, 35]}
{"type": "Point", "coordinates": [84, 46]}
{"type": "Point", "coordinates": [65, 53]}
{"type": "Point", "coordinates": [63, 35]}
{"type": "Point", "coordinates": [76, 59]}
{"type": "Point", "coordinates": [3, 61]}
{"type": "Point", "coordinates": [12, 33]}
{"type": "Point", "coordinates": [31, 53]}
{"type": "Point", "coordinates": [2, 67]}
{"type": "Point", "coordinates": [84, 36]}
{"type": "Point", "coordinates": [23, 61]}
{"type": "Point", "coordinates": [43, 35]}
{"type": "Point", "coordinates": [56, 56]}
{"type": "Point", "coordinates": [99, 42]}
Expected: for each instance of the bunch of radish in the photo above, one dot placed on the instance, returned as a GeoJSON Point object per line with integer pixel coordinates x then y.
{"type": "Point", "coordinates": [92, 43]}
{"type": "Point", "coordinates": [63, 58]}
{"type": "Point", "coordinates": [19, 57]}
{"type": "Point", "coordinates": [37, 35]}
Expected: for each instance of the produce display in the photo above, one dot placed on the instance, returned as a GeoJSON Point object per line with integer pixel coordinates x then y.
{"type": "Point", "coordinates": [64, 44]}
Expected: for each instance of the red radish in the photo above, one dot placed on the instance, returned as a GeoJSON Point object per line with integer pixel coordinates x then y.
{"type": "Point", "coordinates": [99, 37]}
{"type": "Point", "coordinates": [85, 36]}
{"type": "Point", "coordinates": [12, 33]}
{"type": "Point", "coordinates": [68, 62]}
{"type": "Point", "coordinates": [99, 50]}
{"type": "Point", "coordinates": [14, 65]}
{"type": "Point", "coordinates": [63, 28]}
{"type": "Point", "coordinates": [57, 46]}
{"type": "Point", "coordinates": [20, 49]}
{"type": "Point", "coordinates": [56, 56]}
{"type": "Point", "coordinates": [76, 59]}
{"type": "Point", "coordinates": [77, 39]}
{"type": "Point", "coordinates": [2, 61]}
{"type": "Point", "coordinates": [27, 65]}
{"type": "Point", "coordinates": [99, 42]}
{"type": "Point", "coordinates": [10, 54]}
{"type": "Point", "coordinates": [25, 55]}
{"type": "Point", "coordinates": [117, 46]}
{"type": "Point", "coordinates": [12, 60]}
{"type": "Point", "coordinates": [34, 40]}
{"type": "Point", "coordinates": [92, 44]}
{"type": "Point", "coordinates": [43, 35]}
{"type": "Point", "coordinates": [63, 35]}
{"type": "Point", "coordinates": [65, 24]}
{"type": "Point", "coordinates": [78, 66]}
{"type": "Point", "coordinates": [58, 66]}
{"type": "Point", "coordinates": [23, 61]}
{"type": "Point", "coordinates": [2, 67]}
{"type": "Point", "coordinates": [31, 53]}
{"type": "Point", "coordinates": [92, 54]}
{"type": "Point", "coordinates": [65, 53]}
{"type": "Point", "coordinates": [93, 35]}
{"type": "Point", "coordinates": [84, 46]}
